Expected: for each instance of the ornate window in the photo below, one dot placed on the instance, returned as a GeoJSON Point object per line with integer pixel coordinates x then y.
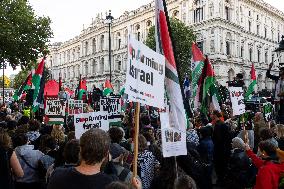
{"type": "Point", "coordinates": [94, 45]}
{"type": "Point", "coordinates": [102, 42]}
{"type": "Point", "coordinates": [102, 65]}
{"type": "Point", "coordinates": [258, 55]}
{"type": "Point", "coordinates": [250, 54]}
{"type": "Point", "coordinates": [198, 15]}
{"type": "Point", "coordinates": [94, 66]}
{"type": "Point", "coordinates": [86, 48]}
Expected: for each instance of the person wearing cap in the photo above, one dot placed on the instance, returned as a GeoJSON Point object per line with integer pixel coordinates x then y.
{"type": "Point", "coordinates": [279, 90]}
{"type": "Point", "coordinates": [117, 158]}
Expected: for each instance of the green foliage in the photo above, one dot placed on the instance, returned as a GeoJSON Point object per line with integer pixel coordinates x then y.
{"type": "Point", "coordinates": [23, 35]}
{"type": "Point", "coordinates": [183, 36]}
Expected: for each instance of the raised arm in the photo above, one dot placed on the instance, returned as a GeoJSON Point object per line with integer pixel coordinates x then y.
{"type": "Point", "coordinates": [268, 74]}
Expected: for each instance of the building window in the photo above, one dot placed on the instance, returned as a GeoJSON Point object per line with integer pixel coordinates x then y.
{"type": "Point", "coordinates": [250, 54]}
{"type": "Point", "coordinates": [94, 66]}
{"type": "Point", "coordinates": [78, 53]}
{"type": "Point", "coordinates": [119, 43]}
{"type": "Point", "coordinates": [211, 9]}
{"type": "Point", "coordinates": [258, 56]}
{"type": "Point", "coordinates": [198, 15]}
{"type": "Point", "coordinates": [249, 25]}
{"type": "Point", "coordinates": [265, 32]}
{"type": "Point", "coordinates": [200, 45]}
{"type": "Point", "coordinates": [119, 65]}
{"type": "Point", "coordinates": [266, 57]}
{"type": "Point", "coordinates": [102, 42]}
{"type": "Point", "coordinates": [102, 66]}
{"type": "Point", "coordinates": [249, 13]}
{"type": "Point", "coordinates": [86, 48]}
{"type": "Point", "coordinates": [138, 36]}
{"type": "Point", "coordinates": [94, 46]}
{"type": "Point", "coordinates": [273, 58]}
{"type": "Point", "coordinates": [228, 50]}
{"type": "Point", "coordinates": [227, 12]}
{"type": "Point", "coordinates": [278, 37]}
{"type": "Point", "coordinates": [272, 35]}
{"type": "Point", "coordinates": [257, 17]}
{"type": "Point", "coordinates": [175, 14]}
{"type": "Point", "coordinates": [242, 52]}
{"type": "Point", "coordinates": [86, 69]}
{"type": "Point", "coordinates": [257, 29]}
{"type": "Point", "coordinates": [212, 46]}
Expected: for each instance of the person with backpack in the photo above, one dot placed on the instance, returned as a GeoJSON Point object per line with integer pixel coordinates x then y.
{"type": "Point", "coordinates": [241, 172]}
{"type": "Point", "coordinates": [117, 156]}
{"type": "Point", "coordinates": [9, 163]}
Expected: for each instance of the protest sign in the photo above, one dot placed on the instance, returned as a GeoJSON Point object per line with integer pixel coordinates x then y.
{"type": "Point", "coordinates": [267, 111]}
{"type": "Point", "coordinates": [145, 74]}
{"type": "Point", "coordinates": [173, 140]}
{"type": "Point", "coordinates": [75, 107]}
{"type": "Point", "coordinates": [237, 99]}
{"type": "Point", "coordinates": [86, 121]}
{"type": "Point", "coordinates": [54, 110]}
{"type": "Point", "coordinates": [112, 105]}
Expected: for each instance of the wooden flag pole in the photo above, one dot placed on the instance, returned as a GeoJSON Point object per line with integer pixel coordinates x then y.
{"type": "Point", "coordinates": [136, 134]}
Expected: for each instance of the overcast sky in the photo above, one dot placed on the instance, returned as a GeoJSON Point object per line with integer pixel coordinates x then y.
{"type": "Point", "coordinates": [68, 16]}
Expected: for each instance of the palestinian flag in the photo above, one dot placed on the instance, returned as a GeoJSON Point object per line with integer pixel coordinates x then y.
{"type": "Point", "coordinates": [252, 84]}
{"type": "Point", "coordinates": [197, 65]}
{"type": "Point", "coordinates": [24, 87]}
{"type": "Point", "coordinates": [107, 88]}
{"type": "Point", "coordinates": [82, 88]}
{"type": "Point", "coordinates": [164, 46]}
{"type": "Point", "coordinates": [210, 93]}
{"type": "Point", "coordinates": [38, 83]}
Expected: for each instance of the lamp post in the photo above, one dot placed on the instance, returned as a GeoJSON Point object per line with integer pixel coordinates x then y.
{"type": "Point", "coordinates": [3, 66]}
{"type": "Point", "coordinates": [109, 19]}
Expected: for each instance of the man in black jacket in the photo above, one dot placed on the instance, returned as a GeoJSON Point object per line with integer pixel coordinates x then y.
{"type": "Point", "coordinates": [279, 90]}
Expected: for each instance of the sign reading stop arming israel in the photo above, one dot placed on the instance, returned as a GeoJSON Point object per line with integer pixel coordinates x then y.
{"type": "Point", "coordinates": [55, 111]}
{"type": "Point", "coordinates": [86, 121]}
{"type": "Point", "coordinates": [145, 74]}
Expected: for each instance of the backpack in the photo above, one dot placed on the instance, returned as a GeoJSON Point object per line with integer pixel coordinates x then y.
{"type": "Point", "coordinates": [6, 179]}
{"type": "Point", "coordinates": [124, 173]}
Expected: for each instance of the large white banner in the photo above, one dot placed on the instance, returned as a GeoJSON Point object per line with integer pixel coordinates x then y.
{"type": "Point", "coordinates": [86, 121]}
{"type": "Point", "coordinates": [145, 74]}
{"type": "Point", "coordinates": [237, 99]}
{"type": "Point", "coordinates": [173, 140]}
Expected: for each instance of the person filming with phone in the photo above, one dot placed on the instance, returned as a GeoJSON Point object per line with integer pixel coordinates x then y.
{"type": "Point", "coordinates": [279, 91]}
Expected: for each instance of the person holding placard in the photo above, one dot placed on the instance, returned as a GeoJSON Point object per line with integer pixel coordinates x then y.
{"type": "Point", "coordinates": [279, 90]}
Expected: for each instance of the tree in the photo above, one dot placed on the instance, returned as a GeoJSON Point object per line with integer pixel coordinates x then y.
{"type": "Point", "coordinates": [182, 38]}
{"type": "Point", "coordinates": [7, 82]}
{"type": "Point", "coordinates": [23, 35]}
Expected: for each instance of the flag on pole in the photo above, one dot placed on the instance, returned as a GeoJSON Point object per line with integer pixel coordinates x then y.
{"type": "Point", "coordinates": [252, 84]}
{"type": "Point", "coordinates": [197, 66]}
{"type": "Point", "coordinates": [82, 88]}
{"type": "Point", "coordinates": [186, 87]}
{"type": "Point", "coordinates": [24, 87]}
{"type": "Point", "coordinates": [38, 85]}
{"type": "Point", "coordinates": [107, 88]}
{"type": "Point", "coordinates": [164, 46]}
{"type": "Point", "coordinates": [210, 90]}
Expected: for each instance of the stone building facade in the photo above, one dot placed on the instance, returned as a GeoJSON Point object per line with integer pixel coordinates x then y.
{"type": "Point", "coordinates": [233, 33]}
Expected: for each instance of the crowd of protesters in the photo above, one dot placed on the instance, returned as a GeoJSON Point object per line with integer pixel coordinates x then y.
{"type": "Point", "coordinates": [222, 150]}
{"type": "Point", "coordinates": [220, 153]}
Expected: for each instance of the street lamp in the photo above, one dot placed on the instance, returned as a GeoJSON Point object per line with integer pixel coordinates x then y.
{"type": "Point", "coordinates": [109, 19]}
{"type": "Point", "coordinates": [279, 51]}
{"type": "Point", "coordinates": [3, 66]}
